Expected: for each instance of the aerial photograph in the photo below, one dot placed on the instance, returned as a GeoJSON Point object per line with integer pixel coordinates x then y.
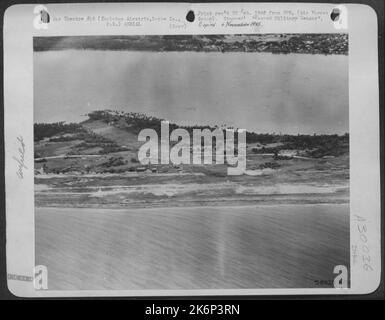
{"type": "Point", "coordinates": [105, 219]}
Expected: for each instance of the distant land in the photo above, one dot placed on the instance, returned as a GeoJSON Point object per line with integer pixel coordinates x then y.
{"type": "Point", "coordinates": [95, 163]}
{"type": "Point", "coordinates": [273, 43]}
{"type": "Point", "coordinates": [115, 133]}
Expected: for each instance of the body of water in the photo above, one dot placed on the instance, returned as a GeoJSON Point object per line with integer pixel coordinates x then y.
{"type": "Point", "coordinates": [261, 92]}
{"type": "Point", "coordinates": [285, 246]}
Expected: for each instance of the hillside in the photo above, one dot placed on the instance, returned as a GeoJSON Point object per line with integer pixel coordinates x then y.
{"type": "Point", "coordinates": [108, 142]}
{"type": "Point", "coordinates": [94, 163]}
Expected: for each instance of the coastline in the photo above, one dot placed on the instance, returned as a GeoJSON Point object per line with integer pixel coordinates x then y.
{"type": "Point", "coordinates": [270, 205]}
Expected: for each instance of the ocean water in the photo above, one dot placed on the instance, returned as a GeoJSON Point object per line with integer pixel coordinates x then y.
{"type": "Point", "coordinates": [261, 92]}
{"type": "Point", "coordinates": [283, 246]}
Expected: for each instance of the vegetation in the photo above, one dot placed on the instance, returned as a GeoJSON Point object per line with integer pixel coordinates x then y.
{"type": "Point", "coordinates": [77, 141]}
{"type": "Point", "coordinates": [115, 161]}
{"type": "Point", "coordinates": [47, 130]}
{"type": "Point", "coordinates": [316, 145]}
{"type": "Point", "coordinates": [274, 43]}
{"type": "Point", "coordinates": [270, 165]}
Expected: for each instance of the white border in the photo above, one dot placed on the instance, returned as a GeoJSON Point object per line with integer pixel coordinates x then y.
{"type": "Point", "coordinates": [18, 120]}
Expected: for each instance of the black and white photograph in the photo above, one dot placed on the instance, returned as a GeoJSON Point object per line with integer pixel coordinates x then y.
{"type": "Point", "coordinates": [198, 150]}
{"type": "Point", "coordinates": [106, 220]}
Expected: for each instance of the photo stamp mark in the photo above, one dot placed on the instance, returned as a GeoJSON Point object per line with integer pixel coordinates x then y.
{"type": "Point", "coordinates": [20, 158]}
{"type": "Point", "coordinates": [39, 278]}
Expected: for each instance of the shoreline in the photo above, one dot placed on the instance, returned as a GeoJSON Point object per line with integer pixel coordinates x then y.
{"type": "Point", "coordinates": [197, 207]}
{"type": "Point", "coordinates": [190, 51]}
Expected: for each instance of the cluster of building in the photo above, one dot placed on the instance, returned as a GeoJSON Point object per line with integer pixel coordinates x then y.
{"type": "Point", "coordinates": [44, 169]}
{"type": "Point", "coordinates": [304, 43]}
{"type": "Point", "coordinates": [160, 169]}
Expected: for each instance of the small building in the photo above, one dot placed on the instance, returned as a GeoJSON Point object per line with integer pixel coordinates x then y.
{"type": "Point", "coordinates": [287, 153]}
{"type": "Point", "coordinates": [147, 169]}
{"type": "Point", "coordinates": [41, 170]}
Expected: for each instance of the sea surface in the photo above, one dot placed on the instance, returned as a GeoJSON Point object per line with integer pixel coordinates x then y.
{"type": "Point", "coordinates": [261, 92]}
{"type": "Point", "coordinates": [250, 247]}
